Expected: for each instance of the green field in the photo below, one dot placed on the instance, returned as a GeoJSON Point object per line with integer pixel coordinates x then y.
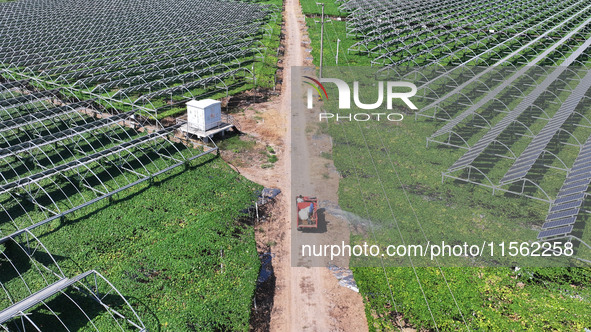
{"type": "Point", "coordinates": [311, 8]}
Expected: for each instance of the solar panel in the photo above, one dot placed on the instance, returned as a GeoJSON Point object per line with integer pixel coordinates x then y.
{"type": "Point", "coordinates": [564, 199]}
{"type": "Point", "coordinates": [580, 171]}
{"type": "Point", "coordinates": [563, 214]}
{"type": "Point", "coordinates": [581, 167]}
{"type": "Point", "coordinates": [27, 98]}
{"type": "Point", "coordinates": [542, 36]}
{"type": "Point", "coordinates": [460, 164]}
{"type": "Point", "coordinates": [497, 90]}
{"type": "Point", "coordinates": [126, 146]}
{"type": "Point", "coordinates": [40, 116]}
{"type": "Point", "coordinates": [513, 176]}
{"type": "Point", "coordinates": [527, 158]}
{"type": "Point", "coordinates": [572, 191]}
{"type": "Point", "coordinates": [65, 134]}
{"type": "Point", "coordinates": [584, 160]}
{"type": "Point", "coordinates": [574, 178]}
{"type": "Point", "coordinates": [505, 122]}
{"type": "Point", "coordinates": [555, 232]}
{"type": "Point", "coordinates": [570, 185]}
{"type": "Point", "coordinates": [585, 153]}
{"type": "Point", "coordinates": [559, 222]}
{"type": "Point", "coordinates": [13, 84]}
{"type": "Point", "coordinates": [566, 206]}
{"type": "Point", "coordinates": [521, 168]}
{"type": "Point", "coordinates": [544, 136]}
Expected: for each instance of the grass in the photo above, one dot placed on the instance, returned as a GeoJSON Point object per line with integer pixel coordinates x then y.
{"type": "Point", "coordinates": [491, 299]}
{"type": "Point", "coordinates": [236, 144]}
{"type": "Point", "coordinates": [312, 8]}
{"type": "Point", "coordinates": [333, 31]}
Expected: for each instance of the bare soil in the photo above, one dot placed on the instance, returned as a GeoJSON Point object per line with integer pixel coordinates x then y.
{"type": "Point", "coordinates": [304, 299]}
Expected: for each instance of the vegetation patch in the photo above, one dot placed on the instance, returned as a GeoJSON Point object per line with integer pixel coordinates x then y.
{"type": "Point", "coordinates": [175, 249]}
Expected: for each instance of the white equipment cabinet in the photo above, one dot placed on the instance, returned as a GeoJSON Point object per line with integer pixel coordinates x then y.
{"type": "Point", "coordinates": [204, 114]}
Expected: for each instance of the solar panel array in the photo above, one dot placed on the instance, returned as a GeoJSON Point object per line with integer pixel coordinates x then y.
{"type": "Point", "coordinates": [529, 156]}
{"type": "Point", "coordinates": [142, 52]}
{"type": "Point", "coordinates": [565, 209]}
{"type": "Point", "coordinates": [475, 150]}
{"type": "Point", "coordinates": [486, 88]}
{"type": "Point", "coordinates": [81, 83]}
{"type": "Point", "coordinates": [536, 41]}
{"type": "Point", "coordinates": [439, 31]}
{"type": "Point", "coordinates": [508, 81]}
{"type": "Point", "coordinates": [59, 155]}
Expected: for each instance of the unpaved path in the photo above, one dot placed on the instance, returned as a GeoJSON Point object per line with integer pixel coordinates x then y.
{"type": "Point", "coordinates": [306, 299]}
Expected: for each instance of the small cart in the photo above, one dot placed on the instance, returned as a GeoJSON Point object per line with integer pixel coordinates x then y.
{"type": "Point", "coordinates": [307, 212]}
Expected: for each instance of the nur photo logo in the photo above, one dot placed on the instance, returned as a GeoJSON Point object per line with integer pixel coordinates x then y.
{"type": "Point", "coordinates": [393, 90]}
{"type": "Point", "coordinates": [344, 93]}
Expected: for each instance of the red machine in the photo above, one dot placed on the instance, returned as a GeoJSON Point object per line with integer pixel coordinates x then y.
{"type": "Point", "coordinates": [307, 216]}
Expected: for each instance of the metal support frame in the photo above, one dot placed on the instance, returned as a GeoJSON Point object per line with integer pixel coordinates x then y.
{"type": "Point", "coordinates": [45, 281]}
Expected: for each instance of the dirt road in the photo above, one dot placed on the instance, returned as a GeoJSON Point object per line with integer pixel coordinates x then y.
{"type": "Point", "coordinates": [306, 299]}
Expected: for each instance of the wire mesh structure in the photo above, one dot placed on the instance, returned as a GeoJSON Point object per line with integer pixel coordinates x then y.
{"type": "Point", "coordinates": [508, 79]}
{"type": "Point", "coordinates": [64, 158]}
{"type": "Point", "coordinates": [452, 33]}
{"type": "Point", "coordinates": [162, 55]}
{"type": "Point", "coordinates": [59, 155]}
{"type": "Point", "coordinates": [36, 293]}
